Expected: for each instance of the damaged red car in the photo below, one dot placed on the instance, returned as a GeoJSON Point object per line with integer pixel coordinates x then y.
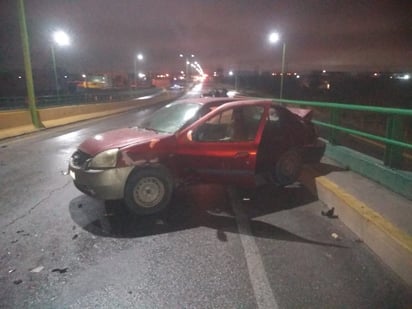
{"type": "Point", "coordinates": [244, 143]}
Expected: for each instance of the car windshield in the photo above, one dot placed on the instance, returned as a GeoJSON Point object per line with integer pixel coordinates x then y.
{"type": "Point", "coordinates": [170, 118]}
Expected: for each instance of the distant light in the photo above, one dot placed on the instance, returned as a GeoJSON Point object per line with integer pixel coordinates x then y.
{"type": "Point", "coordinates": [230, 73]}
{"type": "Point", "coordinates": [20, 77]}
{"type": "Point", "coordinates": [297, 76]}
{"type": "Point", "coordinates": [61, 38]}
{"type": "Point", "coordinates": [65, 76]}
{"type": "Point", "coordinates": [139, 57]}
{"type": "Point", "coordinates": [402, 76]}
{"type": "Point", "coordinates": [323, 71]}
{"type": "Point", "coordinates": [84, 75]}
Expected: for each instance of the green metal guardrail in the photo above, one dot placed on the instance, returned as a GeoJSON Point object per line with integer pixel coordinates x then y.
{"type": "Point", "coordinates": [7, 103]}
{"type": "Point", "coordinates": [393, 142]}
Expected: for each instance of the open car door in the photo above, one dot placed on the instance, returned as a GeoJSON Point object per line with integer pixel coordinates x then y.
{"type": "Point", "coordinates": [223, 147]}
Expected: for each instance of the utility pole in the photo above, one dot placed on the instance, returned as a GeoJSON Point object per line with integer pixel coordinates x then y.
{"type": "Point", "coordinates": [27, 66]}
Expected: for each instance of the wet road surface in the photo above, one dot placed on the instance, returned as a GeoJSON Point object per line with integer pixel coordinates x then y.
{"type": "Point", "coordinates": [215, 247]}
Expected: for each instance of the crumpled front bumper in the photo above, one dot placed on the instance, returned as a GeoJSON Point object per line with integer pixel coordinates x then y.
{"type": "Point", "coordinates": [105, 184]}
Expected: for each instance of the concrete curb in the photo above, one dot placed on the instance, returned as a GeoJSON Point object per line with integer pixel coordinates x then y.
{"type": "Point", "coordinates": [391, 243]}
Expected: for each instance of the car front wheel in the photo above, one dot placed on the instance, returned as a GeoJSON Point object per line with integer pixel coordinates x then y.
{"type": "Point", "coordinates": [148, 190]}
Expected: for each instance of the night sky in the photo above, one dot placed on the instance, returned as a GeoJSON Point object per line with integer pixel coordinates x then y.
{"type": "Point", "coordinates": [106, 35]}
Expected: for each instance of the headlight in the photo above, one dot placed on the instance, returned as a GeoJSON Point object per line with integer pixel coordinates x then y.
{"type": "Point", "coordinates": [105, 159]}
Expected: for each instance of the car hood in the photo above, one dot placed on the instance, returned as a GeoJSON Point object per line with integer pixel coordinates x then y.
{"type": "Point", "coordinates": [118, 139]}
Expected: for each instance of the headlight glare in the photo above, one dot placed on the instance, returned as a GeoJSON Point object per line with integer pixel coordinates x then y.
{"type": "Point", "coordinates": [105, 159]}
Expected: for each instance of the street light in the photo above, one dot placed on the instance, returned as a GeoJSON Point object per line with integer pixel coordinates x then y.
{"type": "Point", "coordinates": [232, 73]}
{"type": "Point", "coordinates": [60, 38]}
{"type": "Point", "coordinates": [139, 57]}
{"type": "Point", "coordinates": [274, 37]}
{"type": "Point", "coordinates": [187, 65]}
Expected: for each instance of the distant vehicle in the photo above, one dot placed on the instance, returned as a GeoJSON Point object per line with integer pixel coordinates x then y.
{"type": "Point", "coordinates": [176, 87]}
{"type": "Point", "coordinates": [245, 143]}
{"type": "Point", "coordinates": [216, 93]}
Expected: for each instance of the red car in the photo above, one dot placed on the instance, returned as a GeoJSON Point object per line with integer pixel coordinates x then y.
{"type": "Point", "coordinates": [217, 140]}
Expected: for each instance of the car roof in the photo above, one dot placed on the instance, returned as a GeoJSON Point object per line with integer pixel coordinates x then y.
{"type": "Point", "coordinates": [244, 102]}
{"type": "Point", "coordinates": [227, 102]}
{"type": "Point", "coordinates": [207, 100]}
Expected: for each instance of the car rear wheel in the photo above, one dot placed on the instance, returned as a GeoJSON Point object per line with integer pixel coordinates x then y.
{"type": "Point", "coordinates": [148, 190]}
{"type": "Point", "coordinates": [288, 167]}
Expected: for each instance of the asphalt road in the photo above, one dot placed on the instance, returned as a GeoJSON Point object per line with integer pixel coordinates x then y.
{"type": "Point", "coordinates": [214, 248]}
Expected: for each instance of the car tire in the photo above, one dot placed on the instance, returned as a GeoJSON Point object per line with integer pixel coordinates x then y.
{"type": "Point", "coordinates": [288, 167]}
{"type": "Point", "coordinates": [148, 190]}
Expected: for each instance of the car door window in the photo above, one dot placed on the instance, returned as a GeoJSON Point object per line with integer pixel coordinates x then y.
{"type": "Point", "coordinates": [232, 125]}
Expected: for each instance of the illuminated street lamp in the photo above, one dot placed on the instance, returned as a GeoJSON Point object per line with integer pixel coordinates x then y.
{"type": "Point", "coordinates": [232, 73]}
{"type": "Point", "coordinates": [60, 38]}
{"type": "Point", "coordinates": [274, 38]}
{"type": "Point", "coordinates": [139, 57]}
{"type": "Point", "coordinates": [187, 62]}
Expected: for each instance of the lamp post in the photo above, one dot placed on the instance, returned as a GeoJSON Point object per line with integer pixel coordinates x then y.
{"type": "Point", "coordinates": [232, 73]}
{"type": "Point", "coordinates": [274, 37]}
{"type": "Point", "coordinates": [187, 62]}
{"type": "Point", "coordinates": [139, 57]}
{"type": "Point", "coordinates": [60, 38]}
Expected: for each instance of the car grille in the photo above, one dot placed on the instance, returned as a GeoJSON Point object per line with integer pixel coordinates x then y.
{"type": "Point", "coordinates": [79, 159]}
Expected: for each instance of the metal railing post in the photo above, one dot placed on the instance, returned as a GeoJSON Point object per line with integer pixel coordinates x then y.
{"type": "Point", "coordinates": [335, 120]}
{"type": "Point", "coordinates": [394, 130]}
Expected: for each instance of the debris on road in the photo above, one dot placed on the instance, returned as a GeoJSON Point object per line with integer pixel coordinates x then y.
{"type": "Point", "coordinates": [37, 269]}
{"type": "Point", "coordinates": [330, 213]}
{"type": "Point", "coordinates": [23, 233]}
{"type": "Point", "coordinates": [335, 236]}
{"type": "Point", "coordinates": [60, 270]}
{"type": "Point", "coordinates": [221, 235]}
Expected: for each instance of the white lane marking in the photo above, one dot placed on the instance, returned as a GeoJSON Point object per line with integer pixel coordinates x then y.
{"type": "Point", "coordinates": [260, 283]}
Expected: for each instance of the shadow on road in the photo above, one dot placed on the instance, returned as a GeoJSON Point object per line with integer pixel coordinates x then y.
{"type": "Point", "coordinates": [192, 207]}
{"type": "Point", "coordinates": [311, 171]}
